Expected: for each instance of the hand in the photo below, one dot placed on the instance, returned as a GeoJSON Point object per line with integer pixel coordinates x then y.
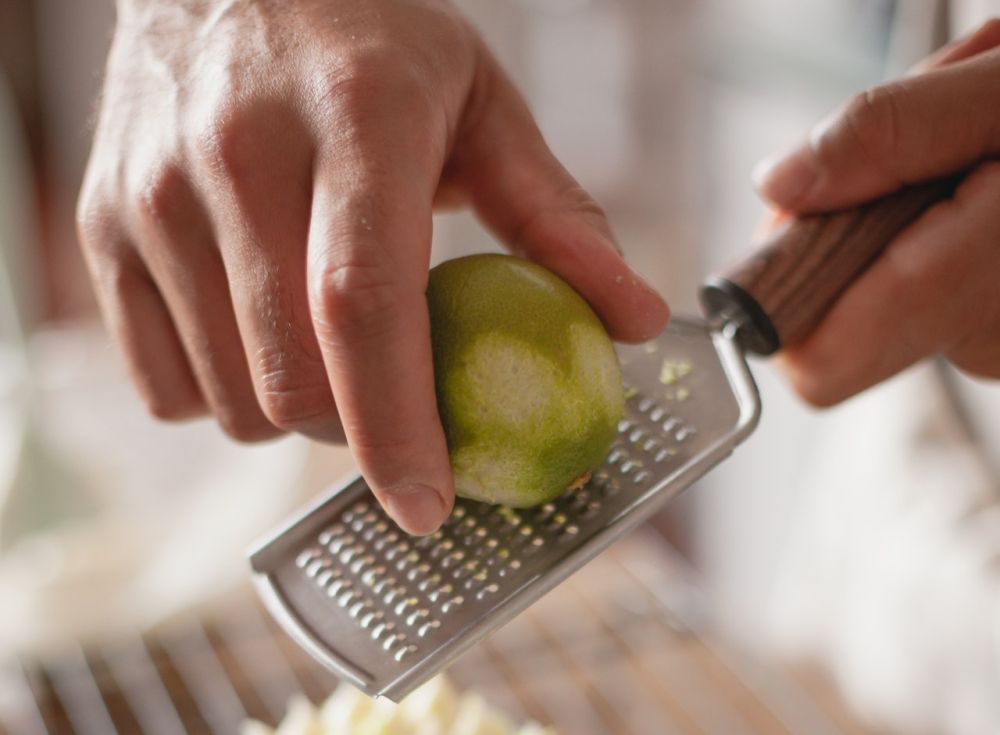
{"type": "Point", "coordinates": [936, 288]}
{"type": "Point", "coordinates": [256, 217]}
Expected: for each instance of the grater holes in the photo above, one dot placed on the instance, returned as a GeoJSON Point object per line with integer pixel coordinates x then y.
{"type": "Point", "coordinates": [392, 639]}
{"type": "Point", "coordinates": [393, 594]}
{"type": "Point", "coordinates": [362, 563]}
{"type": "Point", "coordinates": [347, 597]}
{"type": "Point", "coordinates": [382, 628]}
{"type": "Point", "coordinates": [683, 433]}
{"type": "Point", "coordinates": [341, 541]}
{"type": "Point", "coordinates": [417, 615]}
{"type": "Point", "coordinates": [401, 607]}
{"type": "Point", "coordinates": [452, 559]}
{"type": "Point", "coordinates": [421, 570]}
{"type": "Point", "coordinates": [316, 566]}
{"type": "Point", "coordinates": [427, 627]}
{"type": "Point", "coordinates": [490, 589]}
{"type": "Point", "coordinates": [372, 616]}
{"type": "Point", "coordinates": [358, 607]}
{"type": "Point", "coordinates": [645, 404]}
{"type": "Point", "coordinates": [372, 576]}
{"type": "Point", "coordinates": [510, 517]}
{"type": "Point", "coordinates": [671, 423]}
{"type": "Point", "coordinates": [558, 521]}
{"type": "Point", "coordinates": [451, 604]}
{"type": "Point", "coordinates": [402, 547]}
{"type": "Point", "coordinates": [625, 425]}
{"type": "Point", "coordinates": [571, 531]}
{"type": "Point", "coordinates": [337, 586]}
{"type": "Point", "coordinates": [640, 477]}
{"type": "Point", "coordinates": [475, 581]}
{"type": "Point", "coordinates": [407, 561]}
{"type": "Point", "coordinates": [512, 566]}
{"type": "Point", "coordinates": [381, 584]}
{"type": "Point", "coordinates": [431, 581]}
{"type": "Point", "coordinates": [544, 512]}
{"type": "Point", "coordinates": [347, 555]}
{"type": "Point", "coordinates": [664, 454]}
{"type": "Point", "coordinates": [307, 556]}
{"type": "Point", "coordinates": [324, 578]}
{"type": "Point", "coordinates": [424, 541]}
{"type": "Point", "coordinates": [437, 594]}
{"type": "Point", "coordinates": [404, 652]}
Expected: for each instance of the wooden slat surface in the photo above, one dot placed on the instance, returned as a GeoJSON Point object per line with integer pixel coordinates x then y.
{"type": "Point", "coordinates": [618, 649]}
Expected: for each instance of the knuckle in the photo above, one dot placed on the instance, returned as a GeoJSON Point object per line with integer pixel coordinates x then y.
{"type": "Point", "coordinates": [990, 29]}
{"type": "Point", "coordinates": [229, 144]}
{"type": "Point", "coordinates": [294, 394]}
{"type": "Point", "coordinates": [872, 121]}
{"type": "Point", "coordinates": [299, 406]}
{"type": "Point", "coordinates": [164, 408]}
{"type": "Point", "coordinates": [371, 82]}
{"type": "Point", "coordinates": [581, 202]}
{"type": "Point", "coordinates": [246, 426]}
{"type": "Point", "coordinates": [160, 193]}
{"type": "Point", "coordinates": [117, 278]}
{"type": "Point", "coordinates": [95, 220]}
{"type": "Point", "coordinates": [354, 300]}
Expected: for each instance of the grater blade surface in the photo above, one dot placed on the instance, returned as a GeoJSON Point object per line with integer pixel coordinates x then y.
{"type": "Point", "coordinates": [387, 611]}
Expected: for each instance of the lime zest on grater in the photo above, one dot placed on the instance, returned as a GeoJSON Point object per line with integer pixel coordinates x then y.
{"type": "Point", "coordinates": [387, 611]}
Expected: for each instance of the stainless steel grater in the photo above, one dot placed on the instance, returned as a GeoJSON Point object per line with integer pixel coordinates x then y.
{"type": "Point", "coordinates": [387, 611]}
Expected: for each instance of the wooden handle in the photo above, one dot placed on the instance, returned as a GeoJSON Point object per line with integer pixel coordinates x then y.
{"type": "Point", "coordinates": [782, 291]}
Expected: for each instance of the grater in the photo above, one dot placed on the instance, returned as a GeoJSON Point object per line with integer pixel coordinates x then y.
{"type": "Point", "coordinates": [387, 611]}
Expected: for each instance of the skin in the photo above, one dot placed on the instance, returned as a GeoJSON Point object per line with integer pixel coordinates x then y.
{"type": "Point", "coordinates": [936, 289]}
{"type": "Point", "coordinates": [256, 218]}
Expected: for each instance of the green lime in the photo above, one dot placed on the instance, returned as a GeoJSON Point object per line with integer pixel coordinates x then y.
{"type": "Point", "coordinates": [528, 383]}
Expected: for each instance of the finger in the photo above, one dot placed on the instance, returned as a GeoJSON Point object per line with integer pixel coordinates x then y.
{"type": "Point", "coordinates": [369, 252]}
{"type": "Point", "coordinates": [932, 291]}
{"type": "Point", "coordinates": [138, 321]}
{"type": "Point", "coordinates": [262, 204]}
{"type": "Point", "coordinates": [903, 132]}
{"type": "Point", "coordinates": [175, 239]}
{"type": "Point", "coordinates": [984, 38]}
{"type": "Point", "coordinates": [524, 194]}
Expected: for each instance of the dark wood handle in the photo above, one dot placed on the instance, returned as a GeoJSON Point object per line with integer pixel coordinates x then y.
{"type": "Point", "coordinates": [782, 291]}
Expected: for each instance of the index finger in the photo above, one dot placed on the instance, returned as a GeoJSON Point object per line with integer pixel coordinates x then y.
{"type": "Point", "coordinates": [368, 258]}
{"type": "Point", "coordinates": [900, 133]}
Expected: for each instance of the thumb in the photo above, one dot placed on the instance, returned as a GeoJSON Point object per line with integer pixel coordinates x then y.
{"type": "Point", "coordinates": [906, 131]}
{"type": "Point", "coordinates": [522, 193]}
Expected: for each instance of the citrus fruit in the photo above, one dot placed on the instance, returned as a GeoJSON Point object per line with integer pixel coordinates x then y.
{"type": "Point", "coordinates": [528, 383]}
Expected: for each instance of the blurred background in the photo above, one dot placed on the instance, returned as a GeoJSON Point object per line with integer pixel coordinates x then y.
{"type": "Point", "coordinates": [850, 557]}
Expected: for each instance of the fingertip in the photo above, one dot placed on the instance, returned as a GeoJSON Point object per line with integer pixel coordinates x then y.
{"type": "Point", "coordinates": [809, 382]}
{"type": "Point", "coordinates": [641, 313]}
{"type": "Point", "coordinates": [417, 509]}
{"type": "Point", "coordinates": [786, 180]}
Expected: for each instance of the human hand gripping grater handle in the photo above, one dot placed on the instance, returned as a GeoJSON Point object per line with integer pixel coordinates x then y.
{"type": "Point", "coordinates": [785, 287]}
{"type": "Point", "coordinates": [387, 611]}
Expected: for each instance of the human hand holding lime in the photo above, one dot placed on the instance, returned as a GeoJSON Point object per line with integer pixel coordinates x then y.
{"type": "Point", "coordinates": [256, 217]}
